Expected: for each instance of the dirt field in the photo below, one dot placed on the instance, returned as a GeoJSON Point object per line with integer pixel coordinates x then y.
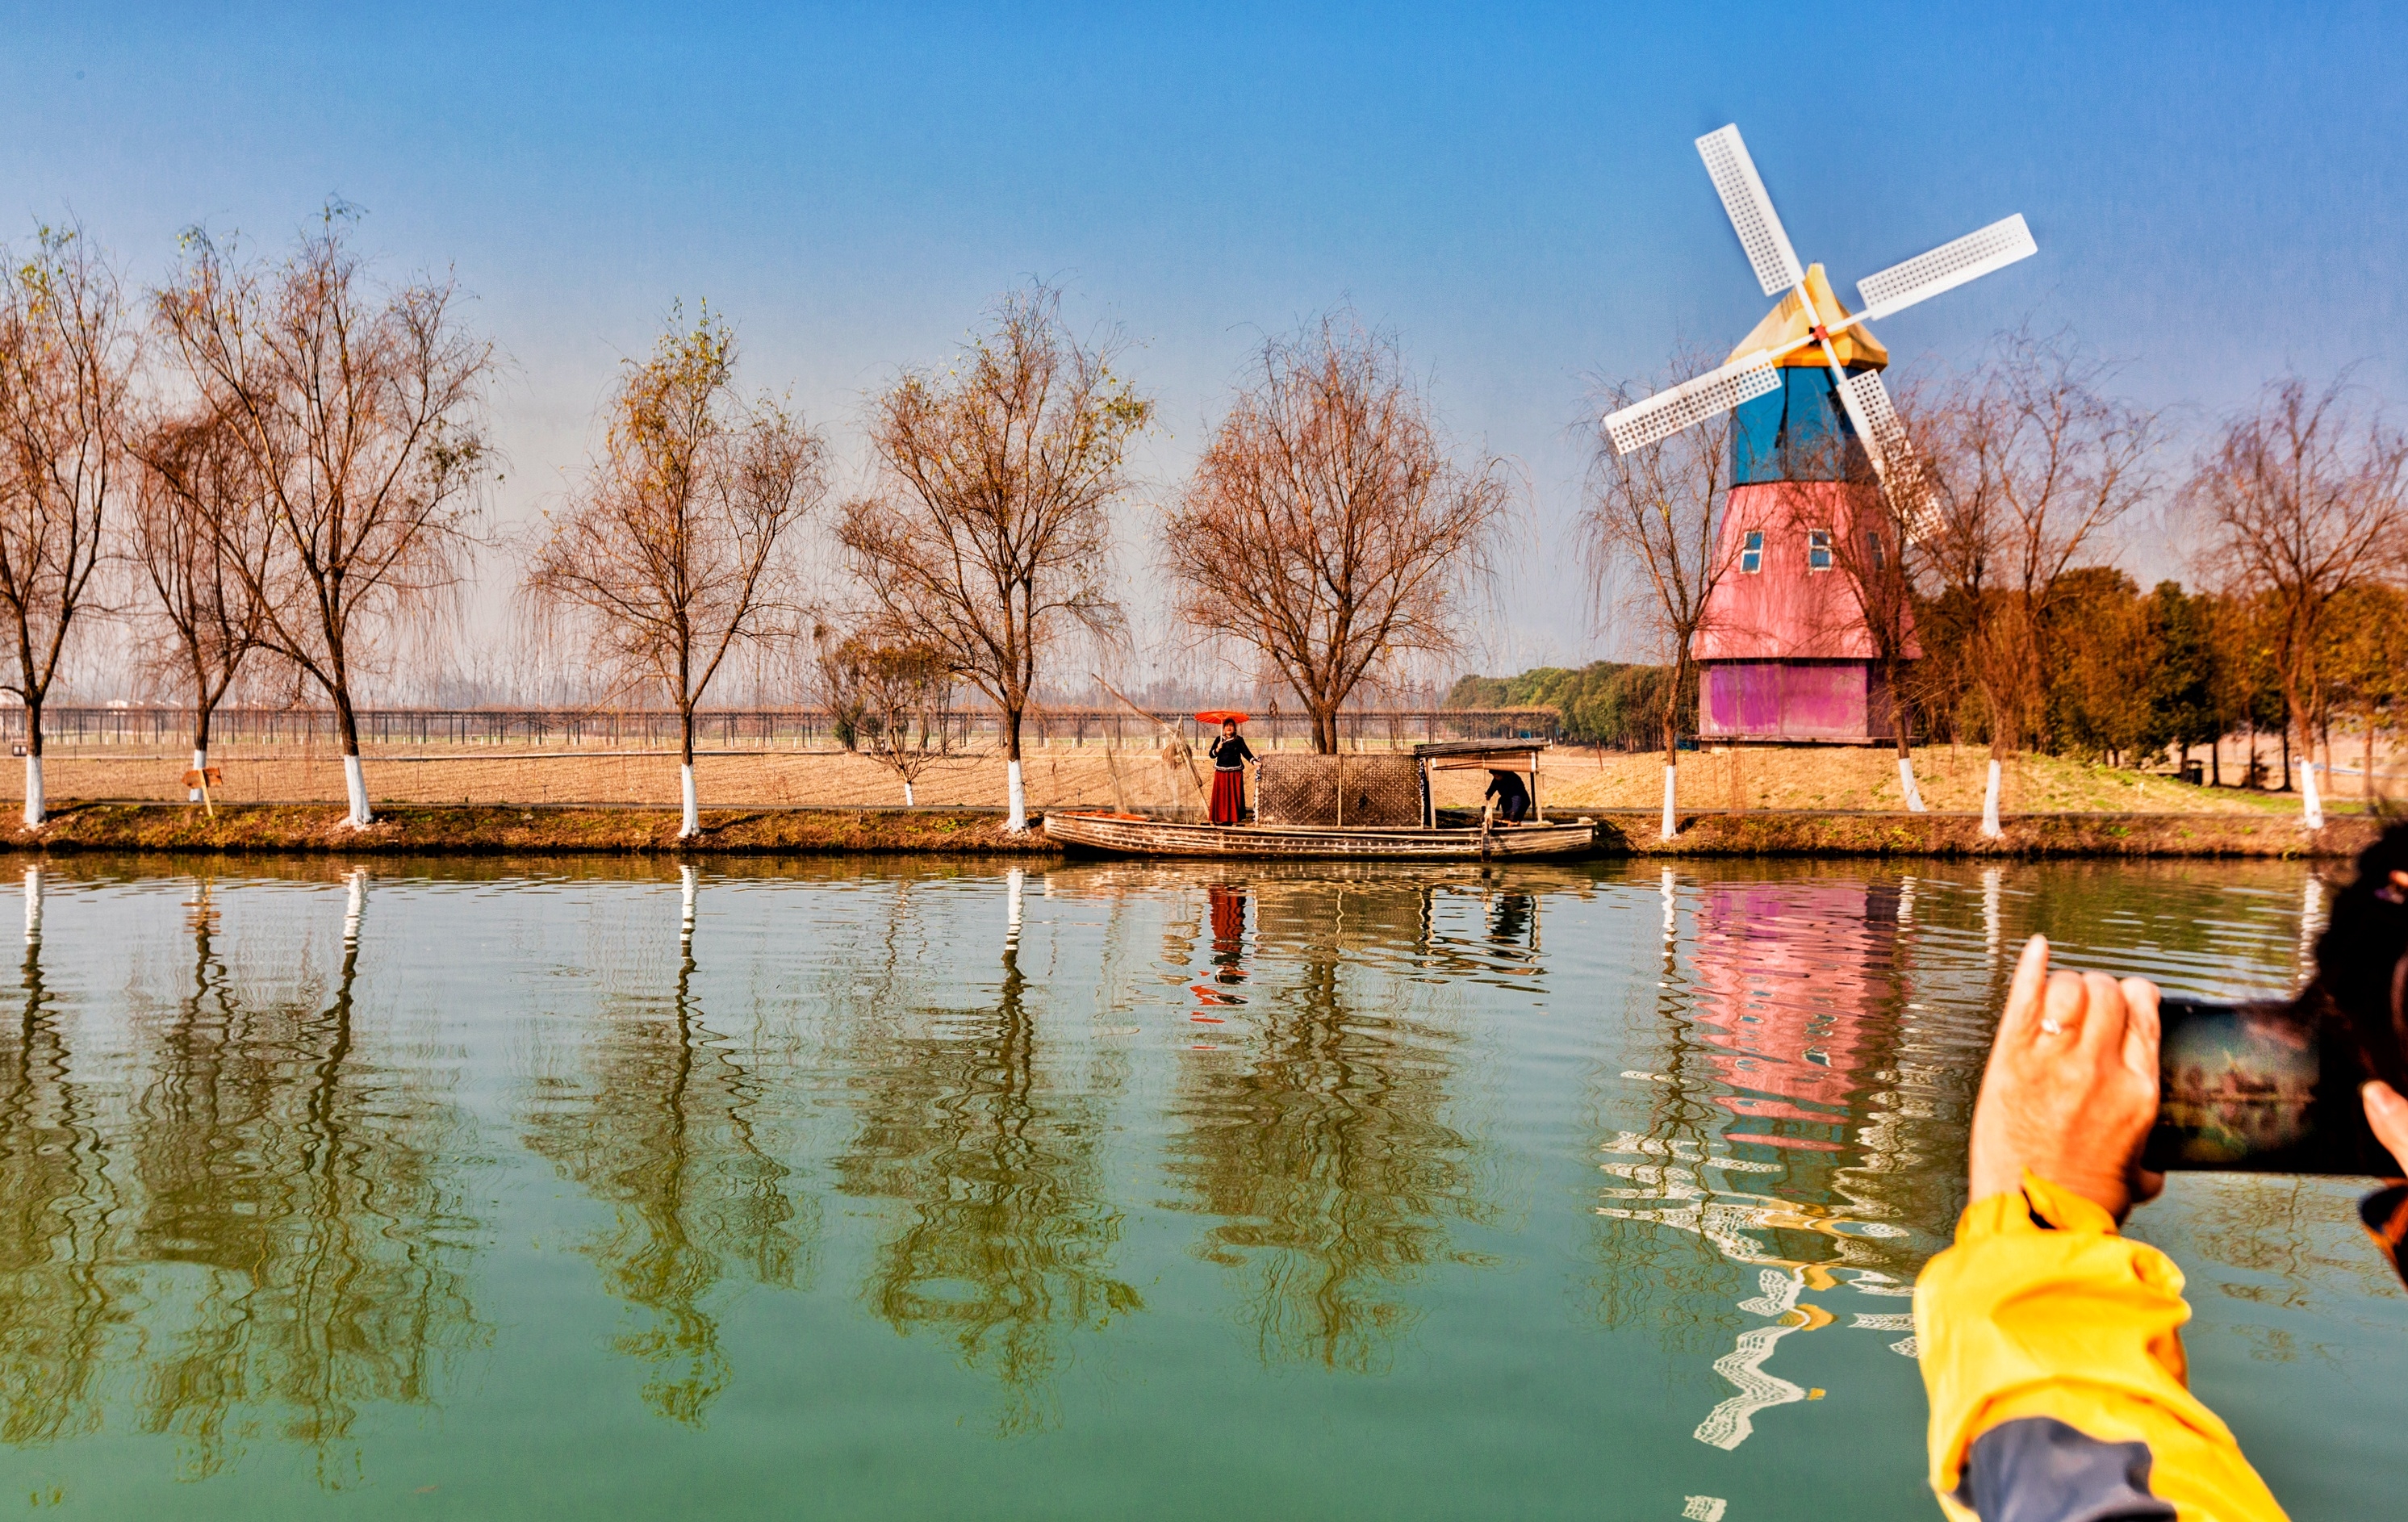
{"type": "Point", "coordinates": [1061, 777]}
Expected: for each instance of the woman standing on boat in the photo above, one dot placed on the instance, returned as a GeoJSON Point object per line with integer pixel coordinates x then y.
{"type": "Point", "coordinates": [1231, 754]}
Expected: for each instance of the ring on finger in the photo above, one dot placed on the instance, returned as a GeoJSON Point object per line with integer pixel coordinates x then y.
{"type": "Point", "coordinates": [2052, 1027]}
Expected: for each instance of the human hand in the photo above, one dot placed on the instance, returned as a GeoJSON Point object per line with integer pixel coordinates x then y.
{"type": "Point", "coordinates": [2387, 1114]}
{"type": "Point", "coordinates": [2071, 1087]}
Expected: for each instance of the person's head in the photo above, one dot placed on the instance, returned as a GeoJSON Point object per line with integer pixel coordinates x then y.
{"type": "Point", "coordinates": [1228, 729]}
{"type": "Point", "coordinates": [2362, 956]}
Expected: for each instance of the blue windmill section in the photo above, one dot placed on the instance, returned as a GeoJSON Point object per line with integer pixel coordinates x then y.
{"type": "Point", "coordinates": [1797, 433]}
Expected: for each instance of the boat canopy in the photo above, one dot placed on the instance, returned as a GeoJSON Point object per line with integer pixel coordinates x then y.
{"type": "Point", "coordinates": [1488, 754]}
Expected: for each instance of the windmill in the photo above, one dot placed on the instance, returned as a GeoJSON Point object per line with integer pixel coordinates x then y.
{"type": "Point", "coordinates": [1756, 373]}
{"type": "Point", "coordinates": [1772, 667]}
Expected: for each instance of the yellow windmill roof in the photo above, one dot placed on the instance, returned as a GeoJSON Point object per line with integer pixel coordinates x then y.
{"type": "Point", "coordinates": [1787, 323]}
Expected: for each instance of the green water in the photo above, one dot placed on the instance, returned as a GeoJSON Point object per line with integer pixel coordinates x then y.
{"type": "Point", "coordinates": [910, 1190]}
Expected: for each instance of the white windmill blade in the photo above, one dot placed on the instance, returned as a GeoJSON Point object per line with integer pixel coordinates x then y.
{"type": "Point", "coordinates": [1893, 453]}
{"type": "Point", "coordinates": [1751, 211]}
{"type": "Point", "coordinates": [1945, 267]}
{"type": "Point", "coordinates": [1692, 402]}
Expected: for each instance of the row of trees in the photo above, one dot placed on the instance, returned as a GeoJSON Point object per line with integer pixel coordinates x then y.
{"type": "Point", "coordinates": [1991, 552]}
{"type": "Point", "coordinates": [284, 453]}
{"type": "Point", "coordinates": [287, 458]}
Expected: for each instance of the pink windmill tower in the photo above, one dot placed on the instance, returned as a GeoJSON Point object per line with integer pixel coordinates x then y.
{"type": "Point", "coordinates": [1784, 653]}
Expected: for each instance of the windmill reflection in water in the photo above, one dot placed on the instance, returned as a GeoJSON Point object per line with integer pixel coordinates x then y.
{"type": "Point", "coordinates": [1791, 1023]}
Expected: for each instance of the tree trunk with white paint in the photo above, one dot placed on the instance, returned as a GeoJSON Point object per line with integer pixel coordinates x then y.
{"type": "Point", "coordinates": [1672, 821]}
{"type": "Point", "coordinates": [689, 810]}
{"type": "Point", "coordinates": [35, 814]}
{"type": "Point", "coordinates": [1906, 785]}
{"type": "Point", "coordinates": [2312, 802]}
{"type": "Point", "coordinates": [1016, 791]}
{"type": "Point", "coordinates": [355, 793]}
{"type": "Point", "coordinates": [1991, 828]}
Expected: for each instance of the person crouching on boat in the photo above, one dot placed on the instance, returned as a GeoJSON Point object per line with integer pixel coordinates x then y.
{"type": "Point", "coordinates": [1512, 798]}
{"type": "Point", "coordinates": [1230, 752]}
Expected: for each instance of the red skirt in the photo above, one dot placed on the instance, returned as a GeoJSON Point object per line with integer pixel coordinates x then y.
{"type": "Point", "coordinates": [1228, 797]}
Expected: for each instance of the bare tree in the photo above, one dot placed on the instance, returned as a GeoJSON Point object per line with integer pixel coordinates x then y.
{"type": "Point", "coordinates": [895, 700]}
{"type": "Point", "coordinates": [2304, 500]}
{"type": "Point", "coordinates": [67, 359]}
{"type": "Point", "coordinates": [1326, 527]}
{"type": "Point", "coordinates": [2031, 462]}
{"type": "Point", "coordinates": [362, 411]}
{"type": "Point", "coordinates": [673, 550]}
{"type": "Point", "coordinates": [1869, 529]}
{"type": "Point", "coordinates": [1656, 516]}
{"type": "Point", "coordinates": [991, 535]}
{"type": "Point", "coordinates": [200, 543]}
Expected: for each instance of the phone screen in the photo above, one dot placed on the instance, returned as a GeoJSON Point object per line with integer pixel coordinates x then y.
{"type": "Point", "coordinates": [2264, 1087]}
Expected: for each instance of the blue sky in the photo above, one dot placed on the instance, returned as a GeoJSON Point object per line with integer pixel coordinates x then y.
{"type": "Point", "coordinates": [2216, 190]}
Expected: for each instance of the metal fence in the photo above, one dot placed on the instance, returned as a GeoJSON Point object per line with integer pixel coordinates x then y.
{"type": "Point", "coordinates": [805, 728]}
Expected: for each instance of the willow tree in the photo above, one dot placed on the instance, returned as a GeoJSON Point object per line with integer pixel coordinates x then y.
{"type": "Point", "coordinates": [989, 537]}
{"type": "Point", "coordinates": [673, 550]}
{"type": "Point", "coordinates": [360, 408]}
{"type": "Point", "coordinates": [1327, 526]}
{"type": "Point", "coordinates": [200, 541]}
{"type": "Point", "coordinates": [67, 358]}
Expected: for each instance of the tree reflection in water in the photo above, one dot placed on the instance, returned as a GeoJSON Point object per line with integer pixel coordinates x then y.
{"type": "Point", "coordinates": [1007, 1241]}
{"type": "Point", "coordinates": [666, 1130]}
{"type": "Point", "coordinates": [1319, 1140]}
{"type": "Point", "coordinates": [298, 1189]}
{"type": "Point", "coordinates": [61, 1297]}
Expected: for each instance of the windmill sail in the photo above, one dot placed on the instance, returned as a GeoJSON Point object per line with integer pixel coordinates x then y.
{"type": "Point", "coordinates": [1750, 209]}
{"type": "Point", "coordinates": [1692, 402]}
{"type": "Point", "coordinates": [1902, 470]}
{"type": "Point", "coordinates": [1946, 267]}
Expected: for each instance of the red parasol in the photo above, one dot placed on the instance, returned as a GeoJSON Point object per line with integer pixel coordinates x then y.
{"type": "Point", "coordinates": [1219, 715]}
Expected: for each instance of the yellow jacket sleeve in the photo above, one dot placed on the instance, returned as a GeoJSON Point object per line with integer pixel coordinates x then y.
{"type": "Point", "coordinates": [2042, 1310]}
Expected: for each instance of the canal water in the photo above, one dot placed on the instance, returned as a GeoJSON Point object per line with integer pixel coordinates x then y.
{"type": "Point", "coordinates": [906, 1189]}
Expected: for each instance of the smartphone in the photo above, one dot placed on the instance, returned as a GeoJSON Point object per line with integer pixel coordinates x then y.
{"type": "Point", "coordinates": [2266, 1087]}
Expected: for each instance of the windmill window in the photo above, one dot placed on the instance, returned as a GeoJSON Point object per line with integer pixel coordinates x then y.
{"type": "Point", "coordinates": [1751, 554]}
{"type": "Point", "coordinates": [1818, 549]}
{"type": "Point", "coordinates": [1873, 550]}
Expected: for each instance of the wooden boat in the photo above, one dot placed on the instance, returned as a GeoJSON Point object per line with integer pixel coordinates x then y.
{"type": "Point", "coordinates": [1135, 835]}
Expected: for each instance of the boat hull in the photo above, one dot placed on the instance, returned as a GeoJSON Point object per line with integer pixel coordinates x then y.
{"type": "Point", "coordinates": [1121, 835]}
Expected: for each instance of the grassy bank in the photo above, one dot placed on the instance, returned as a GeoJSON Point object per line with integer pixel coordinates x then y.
{"type": "Point", "coordinates": [421, 830]}
{"type": "Point", "coordinates": [474, 831]}
{"type": "Point", "coordinates": [2095, 835]}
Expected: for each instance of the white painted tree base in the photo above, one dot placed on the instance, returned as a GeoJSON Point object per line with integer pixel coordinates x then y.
{"type": "Point", "coordinates": [200, 762]}
{"type": "Point", "coordinates": [2311, 803]}
{"type": "Point", "coordinates": [690, 822]}
{"type": "Point", "coordinates": [1906, 785]}
{"type": "Point", "coordinates": [1018, 822]}
{"type": "Point", "coordinates": [355, 789]}
{"type": "Point", "coordinates": [33, 808]}
{"type": "Point", "coordinates": [1991, 828]}
{"type": "Point", "coordinates": [1672, 823]}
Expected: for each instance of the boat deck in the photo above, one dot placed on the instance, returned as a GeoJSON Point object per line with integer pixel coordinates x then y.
{"type": "Point", "coordinates": [1136, 835]}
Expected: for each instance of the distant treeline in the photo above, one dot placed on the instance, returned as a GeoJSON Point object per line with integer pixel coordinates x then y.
{"type": "Point", "coordinates": [2127, 677]}
{"type": "Point", "coordinates": [1605, 703]}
